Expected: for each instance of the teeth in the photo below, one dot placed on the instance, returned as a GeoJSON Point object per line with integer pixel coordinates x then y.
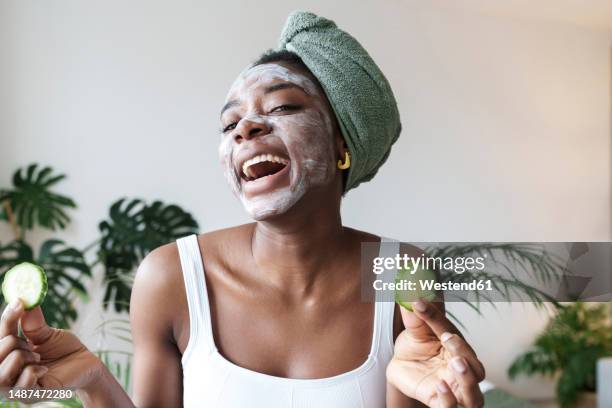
{"type": "Point", "coordinates": [261, 158]}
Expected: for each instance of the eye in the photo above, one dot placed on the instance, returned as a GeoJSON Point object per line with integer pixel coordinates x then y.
{"type": "Point", "coordinates": [229, 127]}
{"type": "Point", "coordinates": [284, 108]}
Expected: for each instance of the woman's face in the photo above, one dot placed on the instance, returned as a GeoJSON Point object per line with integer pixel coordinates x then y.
{"type": "Point", "coordinates": [278, 138]}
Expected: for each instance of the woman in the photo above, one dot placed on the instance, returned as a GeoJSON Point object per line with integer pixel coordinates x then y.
{"type": "Point", "coordinates": [269, 314]}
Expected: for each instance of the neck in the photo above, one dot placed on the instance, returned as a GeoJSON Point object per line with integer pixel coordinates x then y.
{"type": "Point", "coordinates": [293, 248]}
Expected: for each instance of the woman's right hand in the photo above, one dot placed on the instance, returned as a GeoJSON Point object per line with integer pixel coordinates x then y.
{"type": "Point", "coordinates": [49, 358]}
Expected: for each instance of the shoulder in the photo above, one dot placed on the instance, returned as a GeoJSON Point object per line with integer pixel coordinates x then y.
{"type": "Point", "coordinates": [404, 247]}
{"type": "Point", "coordinates": [160, 274]}
{"type": "Point", "coordinates": [224, 250]}
{"type": "Point", "coordinates": [410, 250]}
{"type": "Point", "coordinates": [362, 237]}
{"type": "Point", "coordinates": [162, 266]}
{"type": "Point", "coordinates": [159, 268]}
{"type": "Point", "coordinates": [222, 238]}
{"type": "Point", "coordinates": [158, 279]}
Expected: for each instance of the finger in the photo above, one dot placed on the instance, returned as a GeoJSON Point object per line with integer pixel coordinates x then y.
{"type": "Point", "coordinates": [445, 398]}
{"type": "Point", "coordinates": [417, 327]}
{"type": "Point", "coordinates": [433, 317]}
{"type": "Point", "coordinates": [30, 375]}
{"type": "Point", "coordinates": [10, 343]}
{"type": "Point", "coordinates": [34, 326]}
{"type": "Point", "coordinates": [468, 390]}
{"type": "Point", "coordinates": [458, 347]}
{"type": "Point", "coordinates": [11, 366]}
{"type": "Point", "coordinates": [411, 320]}
{"type": "Point", "coordinates": [10, 318]}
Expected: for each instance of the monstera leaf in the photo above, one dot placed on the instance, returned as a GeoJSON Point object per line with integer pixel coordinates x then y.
{"type": "Point", "coordinates": [13, 253]}
{"type": "Point", "coordinates": [64, 266]}
{"type": "Point", "coordinates": [135, 228]}
{"type": "Point", "coordinates": [33, 202]}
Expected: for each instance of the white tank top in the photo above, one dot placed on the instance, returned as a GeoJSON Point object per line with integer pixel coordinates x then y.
{"type": "Point", "coordinates": [211, 381]}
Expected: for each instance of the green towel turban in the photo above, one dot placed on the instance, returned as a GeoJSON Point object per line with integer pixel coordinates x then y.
{"type": "Point", "coordinates": [357, 90]}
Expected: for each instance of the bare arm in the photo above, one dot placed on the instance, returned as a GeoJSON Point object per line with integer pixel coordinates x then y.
{"type": "Point", "coordinates": [105, 391]}
{"type": "Point", "coordinates": [153, 310]}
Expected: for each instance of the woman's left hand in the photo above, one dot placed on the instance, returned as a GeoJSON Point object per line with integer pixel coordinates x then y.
{"type": "Point", "coordinates": [432, 363]}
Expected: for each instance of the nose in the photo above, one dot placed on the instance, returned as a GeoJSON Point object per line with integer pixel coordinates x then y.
{"type": "Point", "coordinates": [248, 129]}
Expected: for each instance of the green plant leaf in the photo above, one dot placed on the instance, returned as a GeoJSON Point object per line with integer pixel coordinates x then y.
{"type": "Point", "coordinates": [120, 329]}
{"type": "Point", "coordinates": [13, 253]}
{"type": "Point", "coordinates": [34, 203]}
{"type": "Point", "coordinates": [64, 266]}
{"type": "Point", "coordinates": [532, 259]}
{"type": "Point", "coordinates": [133, 229]}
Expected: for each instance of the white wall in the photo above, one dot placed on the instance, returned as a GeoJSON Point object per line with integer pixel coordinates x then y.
{"type": "Point", "coordinates": [506, 122]}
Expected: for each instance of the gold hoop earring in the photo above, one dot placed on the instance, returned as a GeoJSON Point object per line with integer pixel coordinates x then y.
{"type": "Point", "coordinates": [347, 162]}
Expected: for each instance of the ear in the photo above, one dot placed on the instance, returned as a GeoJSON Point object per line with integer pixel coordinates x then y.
{"type": "Point", "coordinates": [341, 146]}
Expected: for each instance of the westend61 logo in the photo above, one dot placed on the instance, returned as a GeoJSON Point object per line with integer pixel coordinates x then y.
{"type": "Point", "coordinates": [413, 264]}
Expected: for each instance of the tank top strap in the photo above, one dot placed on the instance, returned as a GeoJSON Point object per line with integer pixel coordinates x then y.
{"type": "Point", "coordinates": [200, 326]}
{"type": "Point", "coordinates": [386, 302]}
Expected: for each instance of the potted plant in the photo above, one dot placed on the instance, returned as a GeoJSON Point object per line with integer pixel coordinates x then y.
{"type": "Point", "coordinates": [576, 337]}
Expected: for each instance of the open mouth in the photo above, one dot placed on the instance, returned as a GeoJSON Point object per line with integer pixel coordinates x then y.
{"type": "Point", "coordinates": [261, 166]}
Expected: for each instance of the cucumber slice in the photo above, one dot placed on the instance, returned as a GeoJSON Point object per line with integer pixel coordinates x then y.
{"type": "Point", "coordinates": [405, 297]}
{"type": "Point", "coordinates": [27, 282]}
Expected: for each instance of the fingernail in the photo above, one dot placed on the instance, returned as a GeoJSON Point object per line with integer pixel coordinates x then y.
{"type": "Point", "coordinates": [419, 306]}
{"type": "Point", "coordinates": [36, 356]}
{"type": "Point", "coordinates": [15, 304]}
{"type": "Point", "coordinates": [442, 387]}
{"type": "Point", "coordinates": [446, 336]}
{"type": "Point", "coordinates": [42, 370]}
{"type": "Point", "coordinates": [458, 365]}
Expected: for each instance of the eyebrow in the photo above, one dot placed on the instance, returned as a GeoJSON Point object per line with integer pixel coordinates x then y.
{"type": "Point", "coordinates": [283, 85]}
{"type": "Point", "coordinates": [228, 105]}
{"type": "Point", "coordinates": [268, 90]}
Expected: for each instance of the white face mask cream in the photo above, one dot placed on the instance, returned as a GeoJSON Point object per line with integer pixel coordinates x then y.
{"type": "Point", "coordinates": [300, 143]}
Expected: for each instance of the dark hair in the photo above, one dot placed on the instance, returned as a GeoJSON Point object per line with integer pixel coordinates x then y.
{"type": "Point", "coordinates": [281, 56]}
{"type": "Point", "coordinates": [292, 58]}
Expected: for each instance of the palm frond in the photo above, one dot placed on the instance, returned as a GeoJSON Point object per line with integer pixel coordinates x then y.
{"type": "Point", "coordinates": [524, 263]}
